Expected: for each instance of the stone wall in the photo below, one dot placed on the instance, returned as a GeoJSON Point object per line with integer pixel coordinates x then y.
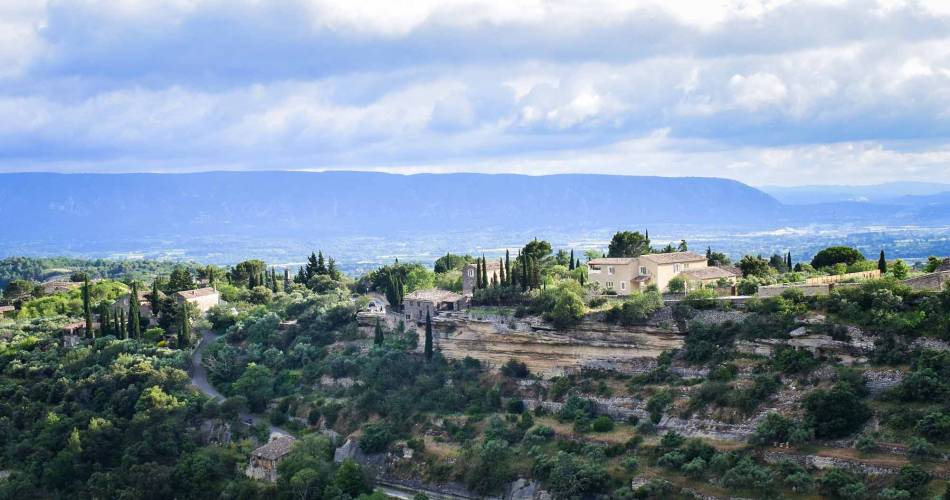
{"type": "Point", "coordinates": [933, 282]}
{"type": "Point", "coordinates": [837, 278]}
{"type": "Point", "coordinates": [767, 291]}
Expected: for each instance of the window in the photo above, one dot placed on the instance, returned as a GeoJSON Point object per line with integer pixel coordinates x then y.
{"type": "Point", "coordinates": [677, 268]}
{"type": "Point", "coordinates": [643, 270]}
{"type": "Point", "coordinates": [471, 273]}
{"type": "Point", "coordinates": [623, 285]}
{"type": "Point", "coordinates": [610, 269]}
{"type": "Point", "coordinates": [686, 265]}
{"type": "Point", "coordinates": [610, 285]}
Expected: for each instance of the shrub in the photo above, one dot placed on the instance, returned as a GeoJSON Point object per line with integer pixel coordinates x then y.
{"type": "Point", "coordinates": [921, 448]}
{"type": "Point", "coordinates": [569, 476]}
{"type": "Point", "coordinates": [838, 483]}
{"type": "Point", "coordinates": [934, 425]}
{"type": "Point", "coordinates": [912, 478]}
{"type": "Point", "coordinates": [629, 463]}
{"type": "Point", "coordinates": [657, 404]}
{"type": "Point", "coordinates": [602, 423]}
{"type": "Point", "coordinates": [515, 406]}
{"type": "Point", "coordinates": [835, 413]}
{"type": "Point", "coordinates": [775, 427]}
{"type": "Point", "coordinates": [695, 467]}
{"type": "Point", "coordinates": [376, 438]}
{"type": "Point", "coordinates": [515, 369]}
{"type": "Point", "coordinates": [746, 474]}
{"type": "Point", "coordinates": [639, 307]}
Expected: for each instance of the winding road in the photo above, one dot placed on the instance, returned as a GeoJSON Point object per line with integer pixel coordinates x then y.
{"type": "Point", "coordinates": [199, 379]}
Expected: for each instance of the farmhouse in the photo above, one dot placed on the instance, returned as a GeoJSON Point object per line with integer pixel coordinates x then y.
{"type": "Point", "coordinates": [203, 298]}
{"type": "Point", "coordinates": [264, 460]}
{"type": "Point", "coordinates": [421, 302]}
{"type": "Point", "coordinates": [623, 275]}
{"type": "Point", "coordinates": [493, 269]}
{"type": "Point", "coordinates": [145, 304]}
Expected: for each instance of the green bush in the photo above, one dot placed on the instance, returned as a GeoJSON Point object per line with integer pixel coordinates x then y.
{"type": "Point", "coordinates": [602, 423]}
{"type": "Point", "coordinates": [835, 413]}
{"type": "Point", "coordinates": [376, 437]}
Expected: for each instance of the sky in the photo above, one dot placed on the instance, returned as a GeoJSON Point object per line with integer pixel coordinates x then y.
{"type": "Point", "coordinates": [767, 92]}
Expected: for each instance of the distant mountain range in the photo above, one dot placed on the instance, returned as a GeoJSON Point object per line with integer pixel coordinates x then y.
{"type": "Point", "coordinates": [891, 192]}
{"type": "Point", "coordinates": [93, 214]}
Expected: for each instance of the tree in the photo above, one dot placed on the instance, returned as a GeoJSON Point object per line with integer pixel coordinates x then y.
{"type": "Point", "coordinates": [682, 247]}
{"type": "Point", "coordinates": [135, 322]}
{"type": "Point", "coordinates": [537, 249]}
{"type": "Point", "coordinates": [882, 263]}
{"type": "Point", "coordinates": [570, 266]}
{"type": "Point", "coordinates": [452, 262]}
{"type": "Point", "coordinates": [716, 259]}
{"type": "Point", "coordinates": [286, 279]}
{"type": "Point", "coordinates": [184, 328]}
{"type": "Point", "coordinates": [105, 319]}
{"type": "Point", "coordinates": [428, 344]}
{"type": "Point", "coordinates": [87, 307]}
{"type": "Point", "coordinates": [484, 272]}
{"type": "Point", "coordinates": [677, 284]}
{"type": "Point", "coordinates": [754, 266]}
{"type": "Point", "coordinates": [180, 279]}
{"type": "Point", "coordinates": [835, 413]}
{"type": "Point", "coordinates": [256, 384]}
{"type": "Point", "coordinates": [836, 255]}
{"type": "Point", "coordinates": [154, 298]}
{"type": "Point", "coordinates": [246, 272]}
{"type": "Point", "coordinates": [508, 268]}
{"type": "Point", "coordinates": [378, 334]}
{"type": "Point", "coordinates": [273, 280]}
{"type": "Point", "coordinates": [779, 263]}
{"type": "Point", "coordinates": [502, 278]}
{"type": "Point", "coordinates": [900, 270]}
{"type": "Point", "coordinates": [350, 480]}
{"type": "Point", "coordinates": [628, 244]}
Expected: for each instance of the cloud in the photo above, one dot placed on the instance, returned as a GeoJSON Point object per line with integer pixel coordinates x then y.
{"type": "Point", "coordinates": [755, 90]}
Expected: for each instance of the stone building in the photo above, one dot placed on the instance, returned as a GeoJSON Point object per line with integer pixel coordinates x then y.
{"type": "Point", "coordinates": [203, 298]}
{"type": "Point", "coordinates": [492, 268]}
{"type": "Point", "coordinates": [145, 304]}
{"type": "Point", "coordinates": [7, 311]}
{"type": "Point", "coordinates": [624, 275]}
{"type": "Point", "coordinates": [264, 460]}
{"type": "Point", "coordinates": [417, 304]}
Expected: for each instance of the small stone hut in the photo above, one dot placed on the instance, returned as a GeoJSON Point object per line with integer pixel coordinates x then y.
{"type": "Point", "coordinates": [264, 460]}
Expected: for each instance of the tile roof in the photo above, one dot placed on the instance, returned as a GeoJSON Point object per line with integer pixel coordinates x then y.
{"type": "Point", "coordinates": [199, 292]}
{"type": "Point", "coordinates": [613, 261]}
{"type": "Point", "coordinates": [276, 448]}
{"type": "Point", "coordinates": [433, 295]}
{"type": "Point", "coordinates": [490, 264]}
{"type": "Point", "coordinates": [674, 258]}
{"type": "Point", "coordinates": [708, 273]}
{"type": "Point", "coordinates": [6, 309]}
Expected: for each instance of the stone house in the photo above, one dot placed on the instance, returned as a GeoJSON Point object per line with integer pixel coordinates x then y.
{"type": "Point", "coordinates": [7, 311]}
{"type": "Point", "coordinates": [145, 304]}
{"type": "Point", "coordinates": [492, 269]}
{"type": "Point", "coordinates": [624, 275]}
{"type": "Point", "coordinates": [709, 277]}
{"type": "Point", "coordinates": [264, 460]}
{"type": "Point", "coordinates": [421, 302]}
{"type": "Point", "coordinates": [203, 298]}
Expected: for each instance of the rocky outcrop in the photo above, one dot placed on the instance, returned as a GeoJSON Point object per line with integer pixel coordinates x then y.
{"type": "Point", "coordinates": [876, 468]}
{"type": "Point", "coordinates": [881, 380]}
{"type": "Point", "coordinates": [524, 489]}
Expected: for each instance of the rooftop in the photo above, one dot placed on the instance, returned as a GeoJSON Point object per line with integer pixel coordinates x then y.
{"type": "Point", "coordinates": [199, 292]}
{"type": "Point", "coordinates": [6, 309]}
{"type": "Point", "coordinates": [276, 448]}
{"type": "Point", "coordinates": [608, 261]}
{"type": "Point", "coordinates": [489, 264]}
{"type": "Point", "coordinates": [674, 258]}
{"type": "Point", "coordinates": [708, 273]}
{"type": "Point", "coordinates": [433, 295]}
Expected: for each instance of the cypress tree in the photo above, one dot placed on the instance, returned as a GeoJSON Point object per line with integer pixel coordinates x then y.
{"type": "Point", "coordinates": [789, 263]}
{"type": "Point", "coordinates": [211, 276]}
{"type": "Point", "coordinates": [273, 280]}
{"type": "Point", "coordinates": [135, 324]}
{"type": "Point", "coordinates": [571, 264]}
{"type": "Point", "coordinates": [524, 270]}
{"type": "Point", "coordinates": [882, 263]}
{"type": "Point", "coordinates": [708, 253]}
{"type": "Point", "coordinates": [87, 307]}
{"type": "Point", "coordinates": [478, 274]}
{"type": "Point", "coordinates": [503, 278]}
{"type": "Point", "coordinates": [153, 298]}
{"type": "Point", "coordinates": [321, 264]}
{"type": "Point", "coordinates": [184, 332]}
{"type": "Point", "coordinates": [123, 326]}
{"type": "Point", "coordinates": [378, 334]}
{"type": "Point", "coordinates": [508, 268]}
{"type": "Point", "coordinates": [577, 264]}
{"type": "Point", "coordinates": [104, 319]}
{"type": "Point", "coordinates": [428, 345]}
{"type": "Point", "coordinates": [484, 272]}
{"type": "Point", "coordinates": [286, 279]}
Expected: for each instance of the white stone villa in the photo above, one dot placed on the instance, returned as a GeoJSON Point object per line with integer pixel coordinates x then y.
{"type": "Point", "coordinates": [625, 275]}
{"type": "Point", "coordinates": [203, 298]}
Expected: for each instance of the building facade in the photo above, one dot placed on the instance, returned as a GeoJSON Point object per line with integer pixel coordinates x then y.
{"type": "Point", "coordinates": [432, 301]}
{"type": "Point", "coordinates": [625, 275]}
{"type": "Point", "coordinates": [264, 460]}
{"type": "Point", "coordinates": [203, 298]}
{"type": "Point", "coordinates": [492, 268]}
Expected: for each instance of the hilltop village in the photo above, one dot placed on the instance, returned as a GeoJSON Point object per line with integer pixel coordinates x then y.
{"type": "Point", "coordinates": [632, 371]}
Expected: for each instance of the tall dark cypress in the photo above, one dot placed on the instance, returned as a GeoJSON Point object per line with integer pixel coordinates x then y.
{"type": "Point", "coordinates": [184, 331]}
{"type": "Point", "coordinates": [378, 334]}
{"type": "Point", "coordinates": [135, 324]}
{"type": "Point", "coordinates": [286, 279]}
{"type": "Point", "coordinates": [484, 272]}
{"type": "Point", "coordinates": [123, 326]}
{"type": "Point", "coordinates": [882, 263]}
{"type": "Point", "coordinates": [154, 299]}
{"type": "Point", "coordinates": [571, 264]}
{"type": "Point", "coordinates": [87, 307]}
{"type": "Point", "coordinates": [508, 268]}
{"type": "Point", "coordinates": [478, 274]}
{"type": "Point", "coordinates": [105, 319]}
{"type": "Point", "coordinates": [788, 264]}
{"type": "Point", "coordinates": [502, 278]}
{"type": "Point", "coordinates": [428, 345]}
{"type": "Point", "coordinates": [273, 280]}
{"type": "Point", "coordinates": [524, 270]}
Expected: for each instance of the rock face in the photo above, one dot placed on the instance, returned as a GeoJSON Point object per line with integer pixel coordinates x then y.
{"type": "Point", "coordinates": [878, 381]}
{"type": "Point", "coordinates": [215, 431]}
{"type": "Point", "coordinates": [825, 462]}
{"type": "Point", "coordinates": [523, 489]}
{"type": "Point", "coordinates": [591, 345]}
